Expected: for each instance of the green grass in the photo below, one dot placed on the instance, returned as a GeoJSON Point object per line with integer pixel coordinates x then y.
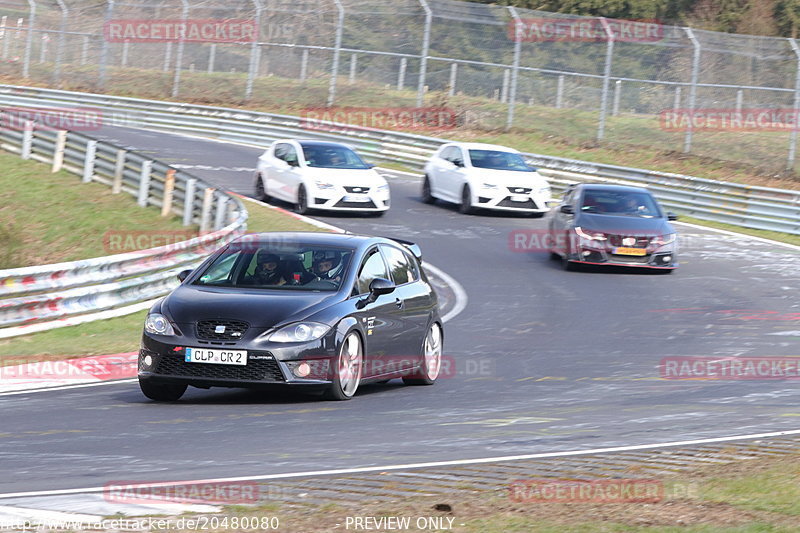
{"type": "Point", "coordinates": [764, 234]}
{"type": "Point", "coordinates": [48, 218]}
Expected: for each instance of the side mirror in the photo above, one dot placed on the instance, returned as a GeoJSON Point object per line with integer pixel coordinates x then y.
{"type": "Point", "coordinates": [671, 216]}
{"type": "Point", "coordinates": [458, 162]}
{"type": "Point", "coordinates": [293, 163]}
{"type": "Point", "coordinates": [377, 287]}
{"type": "Point", "coordinates": [370, 165]}
{"type": "Point", "coordinates": [567, 209]}
{"type": "Point", "coordinates": [183, 274]}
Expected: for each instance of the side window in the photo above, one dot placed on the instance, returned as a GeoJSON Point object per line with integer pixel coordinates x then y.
{"type": "Point", "coordinates": [399, 266]}
{"type": "Point", "coordinates": [447, 153]}
{"type": "Point", "coordinates": [286, 152]}
{"type": "Point", "coordinates": [413, 267]}
{"type": "Point", "coordinates": [372, 268]}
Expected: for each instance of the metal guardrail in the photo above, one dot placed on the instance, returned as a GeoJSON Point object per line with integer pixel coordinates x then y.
{"type": "Point", "coordinates": [743, 205]}
{"type": "Point", "coordinates": [49, 293]}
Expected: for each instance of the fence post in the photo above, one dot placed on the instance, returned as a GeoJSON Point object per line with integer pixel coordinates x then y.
{"type": "Point", "coordinates": [58, 154]}
{"type": "Point", "coordinates": [336, 51]}
{"type": "Point", "coordinates": [423, 60]}
{"type": "Point", "coordinates": [119, 170]}
{"type": "Point", "coordinates": [401, 74]}
{"type": "Point", "coordinates": [687, 140]}
{"type": "Point", "coordinates": [676, 104]}
{"type": "Point", "coordinates": [169, 188]}
{"type": "Point", "coordinates": [739, 99]}
{"type": "Point", "coordinates": [212, 56]}
{"type": "Point", "coordinates": [560, 92]}
{"type": "Point", "coordinates": [43, 48]}
{"type": "Point", "coordinates": [353, 66]}
{"type": "Point", "coordinates": [125, 49]}
{"type": "Point", "coordinates": [617, 91]}
{"type": "Point", "coordinates": [793, 135]}
{"type": "Point", "coordinates": [85, 51]}
{"type": "Point", "coordinates": [144, 183]}
{"type": "Point", "coordinates": [176, 81]}
{"type": "Point", "coordinates": [26, 63]}
{"type": "Point", "coordinates": [219, 215]}
{"type": "Point", "coordinates": [601, 127]}
{"type": "Point", "coordinates": [167, 56]}
{"type": "Point", "coordinates": [101, 75]}
{"type": "Point", "coordinates": [6, 37]}
{"type": "Point", "coordinates": [88, 161]}
{"type": "Point", "coordinates": [504, 86]}
{"type": "Point", "coordinates": [188, 201]}
{"type": "Point", "coordinates": [451, 91]}
{"type": "Point", "coordinates": [205, 213]}
{"type": "Point", "coordinates": [512, 96]}
{"type": "Point", "coordinates": [304, 66]}
{"type": "Point", "coordinates": [255, 52]}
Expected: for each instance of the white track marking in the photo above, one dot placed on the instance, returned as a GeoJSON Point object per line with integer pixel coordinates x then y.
{"type": "Point", "coordinates": [67, 387]}
{"type": "Point", "coordinates": [433, 464]}
{"type": "Point", "coordinates": [458, 290]}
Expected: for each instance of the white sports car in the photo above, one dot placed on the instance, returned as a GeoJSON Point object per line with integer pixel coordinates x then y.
{"type": "Point", "coordinates": [320, 175]}
{"type": "Point", "coordinates": [485, 176]}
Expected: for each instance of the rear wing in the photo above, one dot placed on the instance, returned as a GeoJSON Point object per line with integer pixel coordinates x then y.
{"type": "Point", "coordinates": [410, 246]}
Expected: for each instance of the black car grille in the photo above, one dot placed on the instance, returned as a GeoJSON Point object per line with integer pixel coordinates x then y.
{"type": "Point", "coordinates": [357, 190]}
{"type": "Point", "coordinates": [173, 364]}
{"type": "Point", "coordinates": [527, 204]}
{"type": "Point", "coordinates": [637, 259]}
{"type": "Point", "coordinates": [234, 329]}
{"type": "Point", "coordinates": [365, 205]}
{"type": "Point", "coordinates": [520, 190]}
{"type": "Point", "coordinates": [616, 240]}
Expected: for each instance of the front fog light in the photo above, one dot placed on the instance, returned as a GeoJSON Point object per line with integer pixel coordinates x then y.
{"type": "Point", "coordinates": [302, 370]}
{"type": "Point", "coordinates": [148, 361]}
{"type": "Point", "coordinates": [666, 258]}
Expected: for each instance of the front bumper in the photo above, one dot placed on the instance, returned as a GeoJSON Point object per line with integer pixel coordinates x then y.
{"type": "Point", "coordinates": [504, 199]}
{"type": "Point", "coordinates": [656, 258]}
{"type": "Point", "coordinates": [340, 199]}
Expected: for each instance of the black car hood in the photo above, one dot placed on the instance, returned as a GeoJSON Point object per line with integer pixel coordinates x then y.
{"type": "Point", "coordinates": [258, 308]}
{"type": "Point", "coordinates": [623, 225]}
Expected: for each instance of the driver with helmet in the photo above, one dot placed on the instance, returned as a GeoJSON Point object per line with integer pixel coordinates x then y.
{"type": "Point", "coordinates": [267, 270]}
{"type": "Point", "coordinates": [323, 267]}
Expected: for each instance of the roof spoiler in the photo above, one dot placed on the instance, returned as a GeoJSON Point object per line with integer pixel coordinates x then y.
{"type": "Point", "coordinates": [411, 246]}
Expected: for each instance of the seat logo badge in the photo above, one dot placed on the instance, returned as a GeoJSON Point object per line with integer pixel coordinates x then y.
{"type": "Point", "coordinates": [219, 329]}
{"type": "Point", "coordinates": [629, 241]}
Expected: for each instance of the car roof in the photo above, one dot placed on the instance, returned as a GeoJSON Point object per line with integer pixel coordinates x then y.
{"type": "Point", "coordinates": [313, 142]}
{"type": "Point", "coordinates": [484, 146]}
{"type": "Point", "coordinates": [612, 187]}
{"type": "Point", "coordinates": [348, 240]}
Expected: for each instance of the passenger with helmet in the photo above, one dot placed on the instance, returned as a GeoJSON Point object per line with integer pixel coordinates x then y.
{"type": "Point", "coordinates": [268, 271]}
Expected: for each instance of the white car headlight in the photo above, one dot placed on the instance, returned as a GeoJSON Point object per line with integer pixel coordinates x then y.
{"type": "Point", "coordinates": [321, 184]}
{"type": "Point", "coordinates": [158, 324]}
{"type": "Point", "coordinates": [593, 236]}
{"type": "Point", "coordinates": [662, 240]}
{"type": "Point", "coordinates": [383, 188]}
{"type": "Point", "coordinates": [543, 190]}
{"type": "Point", "coordinates": [490, 186]}
{"type": "Point", "coordinates": [299, 332]}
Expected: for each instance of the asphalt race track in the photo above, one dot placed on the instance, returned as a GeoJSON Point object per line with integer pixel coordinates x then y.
{"type": "Point", "coordinates": [542, 360]}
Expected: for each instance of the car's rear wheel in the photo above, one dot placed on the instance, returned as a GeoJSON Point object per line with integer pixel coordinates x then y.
{"type": "Point", "coordinates": [432, 359]}
{"type": "Point", "coordinates": [565, 262]}
{"type": "Point", "coordinates": [302, 201]}
{"type": "Point", "coordinates": [162, 392]}
{"type": "Point", "coordinates": [427, 197]}
{"type": "Point", "coordinates": [261, 193]}
{"type": "Point", "coordinates": [347, 369]}
{"type": "Point", "coordinates": [466, 201]}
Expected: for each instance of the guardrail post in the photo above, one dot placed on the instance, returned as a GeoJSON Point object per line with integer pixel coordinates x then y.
{"type": "Point", "coordinates": [451, 89]}
{"type": "Point", "coordinates": [687, 140]}
{"type": "Point", "coordinates": [512, 97]}
{"type": "Point", "coordinates": [255, 52]}
{"type": "Point", "coordinates": [212, 56]}
{"type": "Point", "coordinates": [27, 140]}
{"type": "Point", "coordinates": [85, 50]}
{"type": "Point", "coordinates": [6, 35]}
{"type": "Point", "coordinates": [336, 51]}
{"type": "Point", "coordinates": [793, 135]}
{"type": "Point", "coordinates": [58, 154]}
{"type": "Point", "coordinates": [423, 60]}
{"type": "Point", "coordinates": [353, 66]}
{"type": "Point", "coordinates": [169, 188]}
{"type": "Point", "coordinates": [219, 215]}
{"type": "Point", "coordinates": [188, 201]}
{"type": "Point", "coordinates": [560, 92]}
{"type": "Point", "coordinates": [617, 93]}
{"type": "Point", "coordinates": [88, 161]}
{"type": "Point", "coordinates": [601, 127]}
{"type": "Point", "coordinates": [304, 66]}
{"type": "Point", "coordinates": [205, 212]}
{"type": "Point", "coordinates": [125, 49]}
{"type": "Point", "coordinates": [26, 62]}
{"type": "Point", "coordinates": [119, 170]}
{"type": "Point", "coordinates": [144, 183]}
{"type": "Point", "coordinates": [504, 87]}
{"type": "Point", "coordinates": [401, 74]}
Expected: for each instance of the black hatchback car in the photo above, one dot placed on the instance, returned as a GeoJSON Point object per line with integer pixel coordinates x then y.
{"type": "Point", "coordinates": [606, 224]}
{"type": "Point", "coordinates": [312, 310]}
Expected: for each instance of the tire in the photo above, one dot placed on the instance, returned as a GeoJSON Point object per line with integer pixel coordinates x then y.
{"type": "Point", "coordinates": [536, 215]}
{"type": "Point", "coordinates": [427, 197]}
{"type": "Point", "coordinates": [261, 193]}
{"type": "Point", "coordinates": [432, 358]}
{"type": "Point", "coordinates": [348, 368]}
{"type": "Point", "coordinates": [466, 201]}
{"type": "Point", "coordinates": [566, 264]}
{"type": "Point", "coordinates": [162, 392]}
{"type": "Point", "coordinates": [554, 256]}
{"type": "Point", "coordinates": [302, 201]}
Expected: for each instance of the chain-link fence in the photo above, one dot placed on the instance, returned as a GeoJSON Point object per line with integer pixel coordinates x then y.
{"type": "Point", "coordinates": [632, 83]}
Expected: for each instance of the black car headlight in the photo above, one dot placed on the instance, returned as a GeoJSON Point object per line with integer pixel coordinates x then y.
{"type": "Point", "coordinates": [299, 332]}
{"type": "Point", "coordinates": [158, 324]}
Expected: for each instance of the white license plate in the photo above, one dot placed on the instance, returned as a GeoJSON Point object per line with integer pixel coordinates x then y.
{"type": "Point", "coordinates": [519, 198]}
{"type": "Point", "coordinates": [218, 357]}
{"type": "Point", "coordinates": [363, 198]}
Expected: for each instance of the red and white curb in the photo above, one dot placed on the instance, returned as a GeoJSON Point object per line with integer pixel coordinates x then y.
{"type": "Point", "coordinates": [35, 374]}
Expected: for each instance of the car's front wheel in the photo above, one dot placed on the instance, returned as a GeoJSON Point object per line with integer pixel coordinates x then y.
{"type": "Point", "coordinates": [466, 201]}
{"type": "Point", "coordinates": [427, 197]}
{"type": "Point", "coordinates": [431, 359]}
{"type": "Point", "coordinates": [162, 392]}
{"type": "Point", "coordinates": [261, 193]}
{"type": "Point", "coordinates": [348, 367]}
{"type": "Point", "coordinates": [302, 201]}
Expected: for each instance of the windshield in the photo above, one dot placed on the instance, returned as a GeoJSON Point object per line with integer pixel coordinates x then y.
{"type": "Point", "coordinates": [268, 266]}
{"type": "Point", "coordinates": [332, 156]}
{"type": "Point", "coordinates": [620, 203]}
{"type": "Point", "coordinates": [497, 160]}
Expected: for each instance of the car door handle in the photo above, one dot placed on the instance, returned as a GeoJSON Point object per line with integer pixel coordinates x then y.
{"type": "Point", "coordinates": [398, 302]}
